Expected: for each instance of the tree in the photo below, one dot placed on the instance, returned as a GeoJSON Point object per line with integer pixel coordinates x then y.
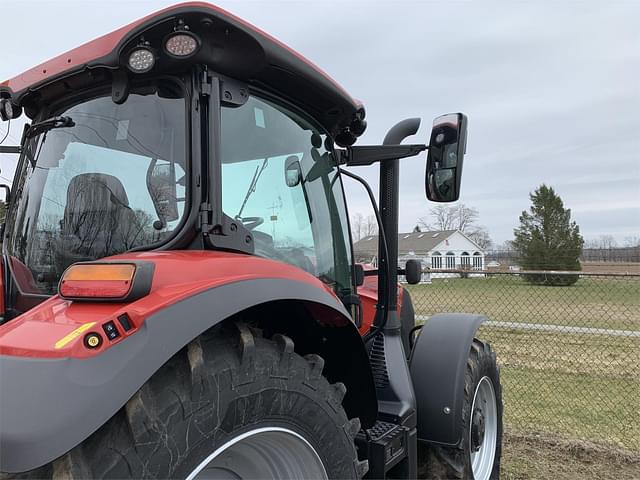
{"type": "Point", "coordinates": [457, 217]}
{"type": "Point", "coordinates": [603, 242]}
{"type": "Point", "coordinates": [632, 241]}
{"type": "Point", "coordinates": [362, 226]}
{"type": "Point", "coordinates": [481, 237]}
{"type": "Point", "coordinates": [547, 239]}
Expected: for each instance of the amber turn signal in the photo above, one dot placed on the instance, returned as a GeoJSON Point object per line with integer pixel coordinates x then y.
{"type": "Point", "coordinates": [97, 280]}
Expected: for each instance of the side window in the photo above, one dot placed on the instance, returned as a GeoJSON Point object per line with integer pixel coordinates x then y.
{"type": "Point", "coordinates": [281, 182]}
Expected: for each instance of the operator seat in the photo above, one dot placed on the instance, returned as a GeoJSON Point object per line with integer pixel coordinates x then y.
{"type": "Point", "coordinates": [97, 219]}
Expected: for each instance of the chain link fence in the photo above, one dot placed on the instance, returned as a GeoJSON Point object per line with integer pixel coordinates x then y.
{"type": "Point", "coordinates": [569, 355]}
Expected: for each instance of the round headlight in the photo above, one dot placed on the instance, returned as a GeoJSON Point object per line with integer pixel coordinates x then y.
{"type": "Point", "coordinates": [181, 44]}
{"type": "Point", "coordinates": [141, 60]}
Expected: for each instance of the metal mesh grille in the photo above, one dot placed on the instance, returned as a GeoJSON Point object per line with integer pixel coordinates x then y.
{"type": "Point", "coordinates": [378, 361]}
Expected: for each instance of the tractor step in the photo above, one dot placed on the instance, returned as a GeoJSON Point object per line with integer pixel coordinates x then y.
{"type": "Point", "coordinates": [384, 445]}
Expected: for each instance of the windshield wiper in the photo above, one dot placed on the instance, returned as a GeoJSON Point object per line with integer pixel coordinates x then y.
{"type": "Point", "coordinates": [49, 124]}
{"type": "Point", "coordinates": [252, 186]}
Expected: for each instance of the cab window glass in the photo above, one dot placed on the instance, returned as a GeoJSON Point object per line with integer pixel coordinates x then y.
{"type": "Point", "coordinates": [282, 183]}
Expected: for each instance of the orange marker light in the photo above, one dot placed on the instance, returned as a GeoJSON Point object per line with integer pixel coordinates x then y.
{"type": "Point", "coordinates": [97, 280]}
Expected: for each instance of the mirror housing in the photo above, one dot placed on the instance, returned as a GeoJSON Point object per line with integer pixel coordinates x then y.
{"type": "Point", "coordinates": [161, 183]}
{"type": "Point", "coordinates": [292, 171]}
{"type": "Point", "coordinates": [413, 272]}
{"type": "Point", "coordinates": [447, 147]}
{"type": "Point", "coordinates": [358, 273]}
{"type": "Point", "coordinates": [7, 197]}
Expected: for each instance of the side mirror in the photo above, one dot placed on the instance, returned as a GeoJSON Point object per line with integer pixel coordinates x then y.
{"type": "Point", "coordinates": [161, 183]}
{"type": "Point", "coordinates": [292, 171]}
{"type": "Point", "coordinates": [447, 147]}
{"type": "Point", "coordinates": [7, 195]}
{"type": "Point", "coordinates": [358, 271]}
{"type": "Point", "coordinates": [413, 272]}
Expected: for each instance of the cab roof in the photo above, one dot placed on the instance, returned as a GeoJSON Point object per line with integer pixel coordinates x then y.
{"type": "Point", "coordinates": [229, 46]}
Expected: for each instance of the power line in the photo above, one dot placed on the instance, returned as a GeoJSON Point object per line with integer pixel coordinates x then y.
{"type": "Point", "coordinates": [7, 133]}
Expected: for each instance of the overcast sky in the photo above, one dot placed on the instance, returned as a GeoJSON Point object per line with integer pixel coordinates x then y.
{"type": "Point", "coordinates": [552, 90]}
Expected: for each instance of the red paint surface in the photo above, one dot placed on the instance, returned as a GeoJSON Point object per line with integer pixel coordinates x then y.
{"type": "Point", "coordinates": [178, 275]}
{"type": "Point", "coordinates": [103, 46]}
{"type": "Point", "coordinates": [368, 293]}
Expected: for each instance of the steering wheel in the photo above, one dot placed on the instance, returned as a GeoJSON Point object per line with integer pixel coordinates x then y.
{"type": "Point", "coordinates": [251, 222]}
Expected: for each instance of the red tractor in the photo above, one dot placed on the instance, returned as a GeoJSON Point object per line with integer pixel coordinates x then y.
{"type": "Point", "coordinates": [179, 296]}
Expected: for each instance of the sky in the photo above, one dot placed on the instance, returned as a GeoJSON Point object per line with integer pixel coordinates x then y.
{"type": "Point", "coordinates": [552, 90]}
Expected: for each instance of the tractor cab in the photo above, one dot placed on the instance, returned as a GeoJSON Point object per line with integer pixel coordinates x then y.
{"type": "Point", "coordinates": [117, 177]}
{"type": "Point", "coordinates": [141, 141]}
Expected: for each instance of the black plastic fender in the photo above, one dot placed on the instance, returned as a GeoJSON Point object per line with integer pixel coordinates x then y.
{"type": "Point", "coordinates": [48, 406]}
{"type": "Point", "coordinates": [437, 366]}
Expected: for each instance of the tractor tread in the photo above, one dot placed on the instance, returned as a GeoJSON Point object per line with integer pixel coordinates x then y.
{"type": "Point", "coordinates": [173, 415]}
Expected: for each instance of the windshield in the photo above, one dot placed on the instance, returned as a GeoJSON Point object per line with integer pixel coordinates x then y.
{"type": "Point", "coordinates": [113, 181]}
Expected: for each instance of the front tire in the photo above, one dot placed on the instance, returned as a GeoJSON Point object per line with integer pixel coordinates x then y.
{"type": "Point", "coordinates": [478, 455]}
{"type": "Point", "coordinates": [229, 405]}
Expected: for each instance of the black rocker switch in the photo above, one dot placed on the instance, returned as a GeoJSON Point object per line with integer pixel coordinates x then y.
{"type": "Point", "coordinates": [125, 321]}
{"type": "Point", "coordinates": [110, 330]}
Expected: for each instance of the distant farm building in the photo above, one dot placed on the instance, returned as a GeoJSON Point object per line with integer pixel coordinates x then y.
{"type": "Point", "coordinates": [436, 250]}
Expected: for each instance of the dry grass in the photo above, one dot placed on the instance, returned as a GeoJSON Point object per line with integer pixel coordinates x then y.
{"type": "Point", "coordinates": [539, 456]}
{"type": "Point", "coordinates": [578, 386]}
{"type": "Point", "coordinates": [611, 267]}
{"type": "Point", "coordinates": [608, 356]}
{"type": "Point", "coordinates": [599, 302]}
{"type": "Point", "coordinates": [582, 386]}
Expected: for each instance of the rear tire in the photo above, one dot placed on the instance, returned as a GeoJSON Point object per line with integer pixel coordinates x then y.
{"type": "Point", "coordinates": [227, 385]}
{"type": "Point", "coordinates": [482, 382]}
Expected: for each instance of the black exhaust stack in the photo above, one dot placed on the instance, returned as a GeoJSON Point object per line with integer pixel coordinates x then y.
{"type": "Point", "coordinates": [396, 400]}
{"type": "Point", "coordinates": [389, 193]}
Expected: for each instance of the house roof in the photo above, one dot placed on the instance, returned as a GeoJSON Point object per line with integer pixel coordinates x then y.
{"type": "Point", "coordinates": [407, 242]}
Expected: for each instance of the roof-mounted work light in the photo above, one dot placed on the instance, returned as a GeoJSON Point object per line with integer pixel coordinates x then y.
{"type": "Point", "coordinates": [181, 44]}
{"type": "Point", "coordinates": [141, 59]}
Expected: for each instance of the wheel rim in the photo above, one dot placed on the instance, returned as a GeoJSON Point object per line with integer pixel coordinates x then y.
{"type": "Point", "coordinates": [269, 453]}
{"type": "Point", "coordinates": [483, 429]}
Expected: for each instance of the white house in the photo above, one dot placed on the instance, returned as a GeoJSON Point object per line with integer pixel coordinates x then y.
{"type": "Point", "coordinates": [437, 250]}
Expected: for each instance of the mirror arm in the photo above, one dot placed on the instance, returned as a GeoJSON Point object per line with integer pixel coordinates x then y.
{"type": "Point", "coordinates": [369, 154]}
{"type": "Point", "coordinates": [11, 149]}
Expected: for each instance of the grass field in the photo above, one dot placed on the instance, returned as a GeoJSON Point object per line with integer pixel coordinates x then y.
{"type": "Point", "coordinates": [584, 387]}
{"type": "Point", "coordinates": [600, 302]}
{"type": "Point", "coordinates": [563, 386]}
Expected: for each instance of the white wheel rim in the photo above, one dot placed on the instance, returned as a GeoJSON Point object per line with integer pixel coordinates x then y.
{"type": "Point", "coordinates": [484, 399]}
{"type": "Point", "coordinates": [270, 453]}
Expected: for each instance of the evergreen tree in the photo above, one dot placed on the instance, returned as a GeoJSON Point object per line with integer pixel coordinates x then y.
{"type": "Point", "coordinates": [547, 239]}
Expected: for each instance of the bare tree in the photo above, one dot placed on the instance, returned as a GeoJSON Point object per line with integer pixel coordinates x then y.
{"type": "Point", "coordinates": [632, 241]}
{"type": "Point", "coordinates": [604, 242]}
{"type": "Point", "coordinates": [457, 217]}
{"type": "Point", "coordinates": [481, 236]}
{"type": "Point", "coordinates": [362, 226]}
{"type": "Point", "coordinates": [357, 226]}
{"type": "Point", "coordinates": [371, 225]}
{"type": "Point", "coordinates": [451, 217]}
